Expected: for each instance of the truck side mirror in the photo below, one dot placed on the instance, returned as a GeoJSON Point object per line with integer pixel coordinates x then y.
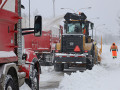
{"type": "Point", "coordinates": [92, 25]}
{"type": "Point", "coordinates": [38, 26]}
{"type": "Point", "coordinates": [22, 6]}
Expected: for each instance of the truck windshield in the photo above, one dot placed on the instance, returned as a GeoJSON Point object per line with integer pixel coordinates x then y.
{"type": "Point", "coordinates": [73, 28]}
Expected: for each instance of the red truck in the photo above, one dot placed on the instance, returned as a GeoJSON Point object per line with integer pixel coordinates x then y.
{"type": "Point", "coordinates": [16, 67]}
{"type": "Point", "coordinates": [43, 46]}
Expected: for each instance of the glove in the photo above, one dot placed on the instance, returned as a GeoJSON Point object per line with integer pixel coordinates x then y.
{"type": "Point", "coordinates": [117, 50]}
{"type": "Point", "coordinates": [110, 50]}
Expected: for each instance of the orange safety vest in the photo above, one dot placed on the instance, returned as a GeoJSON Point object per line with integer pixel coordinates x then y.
{"type": "Point", "coordinates": [114, 52]}
{"type": "Point", "coordinates": [113, 48]}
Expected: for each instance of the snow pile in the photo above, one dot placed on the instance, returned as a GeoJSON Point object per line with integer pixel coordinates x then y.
{"type": "Point", "coordinates": [25, 87]}
{"type": "Point", "coordinates": [48, 74]}
{"type": "Point", "coordinates": [101, 77]}
{"type": "Point", "coordinates": [4, 54]}
{"type": "Point", "coordinates": [46, 69]}
{"type": "Point", "coordinates": [53, 24]}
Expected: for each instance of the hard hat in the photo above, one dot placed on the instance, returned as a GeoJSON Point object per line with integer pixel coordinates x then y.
{"type": "Point", "coordinates": [113, 43]}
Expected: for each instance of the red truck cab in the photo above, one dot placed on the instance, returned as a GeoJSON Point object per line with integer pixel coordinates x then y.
{"type": "Point", "coordinates": [15, 69]}
{"type": "Point", "coordinates": [43, 46]}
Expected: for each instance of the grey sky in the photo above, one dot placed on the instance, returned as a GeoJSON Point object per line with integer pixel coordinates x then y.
{"type": "Point", "coordinates": [107, 10]}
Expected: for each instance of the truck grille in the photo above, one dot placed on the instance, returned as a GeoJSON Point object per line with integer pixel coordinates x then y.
{"type": "Point", "coordinates": [69, 42]}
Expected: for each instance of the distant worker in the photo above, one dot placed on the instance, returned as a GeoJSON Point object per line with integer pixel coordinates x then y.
{"type": "Point", "coordinates": [114, 50]}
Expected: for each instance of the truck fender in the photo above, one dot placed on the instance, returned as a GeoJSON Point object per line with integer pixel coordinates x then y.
{"type": "Point", "coordinates": [4, 69]}
{"type": "Point", "coordinates": [37, 64]}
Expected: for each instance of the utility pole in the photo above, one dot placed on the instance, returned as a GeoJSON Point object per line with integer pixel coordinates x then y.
{"type": "Point", "coordinates": [19, 35]}
{"type": "Point", "coordinates": [54, 8]}
{"type": "Point", "coordinates": [29, 13]}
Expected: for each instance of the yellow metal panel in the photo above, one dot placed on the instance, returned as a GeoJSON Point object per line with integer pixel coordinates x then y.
{"type": "Point", "coordinates": [88, 46]}
{"type": "Point", "coordinates": [84, 42]}
{"type": "Point", "coordinates": [58, 46]}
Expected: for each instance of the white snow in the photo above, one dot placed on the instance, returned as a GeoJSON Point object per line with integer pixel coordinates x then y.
{"type": "Point", "coordinates": [25, 87]}
{"type": "Point", "coordinates": [102, 77]}
{"type": "Point", "coordinates": [4, 54]}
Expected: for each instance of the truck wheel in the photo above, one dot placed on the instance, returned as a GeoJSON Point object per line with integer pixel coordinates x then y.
{"type": "Point", "coordinates": [89, 67]}
{"type": "Point", "coordinates": [89, 64]}
{"type": "Point", "coordinates": [58, 67]}
{"type": "Point", "coordinates": [33, 81]}
{"type": "Point", "coordinates": [9, 83]}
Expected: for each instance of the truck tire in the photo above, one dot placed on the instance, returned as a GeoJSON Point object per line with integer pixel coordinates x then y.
{"type": "Point", "coordinates": [58, 67]}
{"type": "Point", "coordinates": [89, 64]}
{"type": "Point", "coordinates": [33, 81]}
{"type": "Point", "coordinates": [89, 67]}
{"type": "Point", "coordinates": [9, 83]}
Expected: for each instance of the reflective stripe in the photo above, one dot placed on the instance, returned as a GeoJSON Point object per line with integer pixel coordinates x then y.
{"type": "Point", "coordinates": [114, 49]}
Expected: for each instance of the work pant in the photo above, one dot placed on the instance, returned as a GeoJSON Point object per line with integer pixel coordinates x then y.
{"type": "Point", "coordinates": [114, 54]}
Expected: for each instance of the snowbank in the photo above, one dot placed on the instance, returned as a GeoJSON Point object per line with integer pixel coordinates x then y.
{"type": "Point", "coordinates": [25, 87]}
{"type": "Point", "coordinates": [102, 77]}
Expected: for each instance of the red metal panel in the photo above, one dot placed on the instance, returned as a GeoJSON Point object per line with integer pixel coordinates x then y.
{"type": "Point", "coordinates": [6, 30]}
{"type": "Point", "coordinates": [8, 59]}
{"type": "Point", "coordinates": [40, 44]}
{"type": "Point", "coordinates": [7, 21]}
{"type": "Point", "coordinates": [26, 67]}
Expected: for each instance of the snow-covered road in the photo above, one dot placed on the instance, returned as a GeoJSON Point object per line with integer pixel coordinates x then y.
{"type": "Point", "coordinates": [102, 77]}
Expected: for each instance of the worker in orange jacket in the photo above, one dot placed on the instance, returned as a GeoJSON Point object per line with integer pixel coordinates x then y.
{"type": "Point", "coordinates": [114, 49]}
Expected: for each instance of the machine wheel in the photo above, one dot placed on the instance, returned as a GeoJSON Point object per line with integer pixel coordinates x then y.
{"type": "Point", "coordinates": [9, 83]}
{"type": "Point", "coordinates": [58, 67]}
{"type": "Point", "coordinates": [89, 64]}
{"type": "Point", "coordinates": [89, 67]}
{"type": "Point", "coordinates": [33, 81]}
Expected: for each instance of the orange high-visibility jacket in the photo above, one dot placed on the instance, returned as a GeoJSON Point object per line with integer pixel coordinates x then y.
{"type": "Point", "coordinates": [113, 48]}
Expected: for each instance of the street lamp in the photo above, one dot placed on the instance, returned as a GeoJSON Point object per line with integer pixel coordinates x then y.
{"type": "Point", "coordinates": [53, 8]}
{"type": "Point", "coordinates": [29, 13]}
{"type": "Point", "coordinates": [77, 10]}
{"type": "Point", "coordinates": [96, 29]}
{"type": "Point", "coordinates": [94, 18]}
{"type": "Point", "coordinates": [69, 9]}
{"type": "Point", "coordinates": [83, 8]}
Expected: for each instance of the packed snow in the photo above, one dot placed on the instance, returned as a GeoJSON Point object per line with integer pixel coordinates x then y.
{"type": "Point", "coordinates": [105, 76]}
{"type": "Point", "coordinates": [4, 54]}
{"type": "Point", "coordinates": [102, 77]}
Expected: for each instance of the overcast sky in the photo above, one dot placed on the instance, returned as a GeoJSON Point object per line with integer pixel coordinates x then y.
{"type": "Point", "coordinates": [107, 10]}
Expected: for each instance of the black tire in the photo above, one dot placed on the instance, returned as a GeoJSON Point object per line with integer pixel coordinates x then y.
{"type": "Point", "coordinates": [89, 67]}
{"type": "Point", "coordinates": [89, 64]}
{"type": "Point", "coordinates": [58, 67]}
{"type": "Point", "coordinates": [9, 83]}
{"type": "Point", "coordinates": [35, 86]}
{"type": "Point", "coordinates": [33, 81]}
{"type": "Point", "coordinates": [66, 66]}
